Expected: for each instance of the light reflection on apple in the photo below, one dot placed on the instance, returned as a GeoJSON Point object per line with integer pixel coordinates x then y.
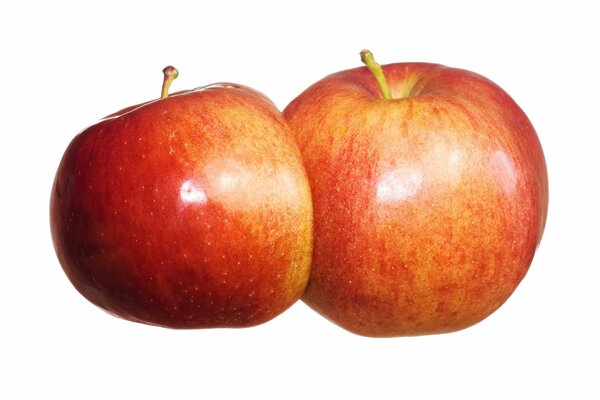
{"type": "Point", "coordinates": [228, 181]}
{"type": "Point", "coordinates": [191, 193]}
{"type": "Point", "coordinates": [399, 184]}
{"type": "Point", "coordinates": [447, 162]}
{"type": "Point", "coordinates": [504, 170]}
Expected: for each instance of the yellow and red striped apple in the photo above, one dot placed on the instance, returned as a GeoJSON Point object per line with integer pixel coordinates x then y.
{"type": "Point", "coordinates": [430, 196]}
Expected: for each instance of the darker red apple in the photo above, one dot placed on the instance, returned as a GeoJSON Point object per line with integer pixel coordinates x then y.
{"type": "Point", "coordinates": [189, 211]}
{"type": "Point", "coordinates": [429, 201]}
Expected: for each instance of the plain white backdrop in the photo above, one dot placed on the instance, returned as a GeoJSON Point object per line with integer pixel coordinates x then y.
{"type": "Point", "coordinates": [64, 65]}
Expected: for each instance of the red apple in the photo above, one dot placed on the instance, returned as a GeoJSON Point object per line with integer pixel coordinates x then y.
{"type": "Point", "coordinates": [190, 211]}
{"type": "Point", "coordinates": [429, 202]}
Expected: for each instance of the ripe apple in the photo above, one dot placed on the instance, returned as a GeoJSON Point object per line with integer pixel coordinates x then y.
{"type": "Point", "coordinates": [189, 211]}
{"type": "Point", "coordinates": [430, 196]}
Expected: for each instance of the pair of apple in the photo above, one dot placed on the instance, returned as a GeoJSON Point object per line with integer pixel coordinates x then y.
{"type": "Point", "coordinates": [401, 200]}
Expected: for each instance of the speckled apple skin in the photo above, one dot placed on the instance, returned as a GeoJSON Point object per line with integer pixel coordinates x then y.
{"type": "Point", "coordinates": [428, 208]}
{"type": "Point", "coordinates": [192, 211]}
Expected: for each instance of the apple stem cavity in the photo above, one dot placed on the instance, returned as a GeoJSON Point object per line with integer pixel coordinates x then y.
{"type": "Point", "coordinates": [367, 58]}
{"type": "Point", "coordinates": [170, 73]}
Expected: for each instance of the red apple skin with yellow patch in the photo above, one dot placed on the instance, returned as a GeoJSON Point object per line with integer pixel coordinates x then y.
{"type": "Point", "coordinates": [191, 211]}
{"type": "Point", "coordinates": [428, 207]}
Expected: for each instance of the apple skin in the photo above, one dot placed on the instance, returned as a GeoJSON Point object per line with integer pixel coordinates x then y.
{"type": "Point", "coordinates": [428, 207]}
{"type": "Point", "coordinates": [191, 211]}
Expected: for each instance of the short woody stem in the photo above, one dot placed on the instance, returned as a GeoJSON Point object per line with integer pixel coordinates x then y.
{"type": "Point", "coordinates": [170, 73]}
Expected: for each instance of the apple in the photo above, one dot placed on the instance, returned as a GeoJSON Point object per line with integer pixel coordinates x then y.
{"type": "Point", "coordinates": [430, 195]}
{"type": "Point", "coordinates": [189, 211]}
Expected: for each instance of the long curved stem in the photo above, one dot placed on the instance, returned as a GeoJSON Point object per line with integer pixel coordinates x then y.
{"type": "Point", "coordinates": [367, 58]}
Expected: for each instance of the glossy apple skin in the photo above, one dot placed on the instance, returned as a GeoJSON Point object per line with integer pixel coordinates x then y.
{"type": "Point", "coordinates": [192, 211]}
{"type": "Point", "coordinates": [428, 208]}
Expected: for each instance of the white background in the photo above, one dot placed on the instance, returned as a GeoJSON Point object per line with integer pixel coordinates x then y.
{"type": "Point", "coordinates": [65, 65]}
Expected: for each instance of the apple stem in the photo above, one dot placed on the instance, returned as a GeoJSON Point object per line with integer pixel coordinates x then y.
{"type": "Point", "coordinates": [170, 73]}
{"type": "Point", "coordinates": [367, 58]}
